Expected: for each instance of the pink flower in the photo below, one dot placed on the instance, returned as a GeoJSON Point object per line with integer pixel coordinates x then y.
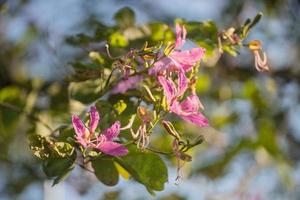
{"type": "Point", "coordinates": [103, 142]}
{"type": "Point", "coordinates": [188, 109]}
{"type": "Point", "coordinates": [127, 84]}
{"type": "Point", "coordinates": [171, 91]}
{"type": "Point", "coordinates": [178, 60]}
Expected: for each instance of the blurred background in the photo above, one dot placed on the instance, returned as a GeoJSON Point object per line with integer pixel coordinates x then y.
{"type": "Point", "coordinates": [252, 148]}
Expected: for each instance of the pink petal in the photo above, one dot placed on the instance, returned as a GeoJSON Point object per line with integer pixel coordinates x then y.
{"type": "Point", "coordinates": [80, 130]}
{"type": "Point", "coordinates": [113, 131]}
{"type": "Point", "coordinates": [78, 126]}
{"type": "Point", "coordinates": [187, 59]}
{"type": "Point", "coordinates": [180, 36]}
{"type": "Point", "coordinates": [188, 110]}
{"type": "Point", "coordinates": [113, 149]}
{"type": "Point", "coordinates": [160, 66]}
{"type": "Point", "coordinates": [182, 83]}
{"type": "Point", "coordinates": [196, 118]}
{"type": "Point", "coordinates": [94, 119]}
{"type": "Point", "coordinates": [191, 104]}
{"type": "Point", "coordinates": [127, 84]}
{"type": "Point", "coordinates": [169, 88]}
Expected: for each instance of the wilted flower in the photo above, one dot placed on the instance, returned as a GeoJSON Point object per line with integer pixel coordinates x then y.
{"type": "Point", "coordinates": [102, 142]}
{"type": "Point", "coordinates": [141, 134]}
{"type": "Point", "coordinates": [260, 57]}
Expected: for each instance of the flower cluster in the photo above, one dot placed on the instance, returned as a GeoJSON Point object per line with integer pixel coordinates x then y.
{"type": "Point", "coordinates": [171, 72]}
{"type": "Point", "coordinates": [177, 64]}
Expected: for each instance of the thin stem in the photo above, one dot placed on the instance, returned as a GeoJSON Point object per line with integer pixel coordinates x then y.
{"type": "Point", "coordinates": [109, 77]}
{"type": "Point", "coordinates": [160, 152]}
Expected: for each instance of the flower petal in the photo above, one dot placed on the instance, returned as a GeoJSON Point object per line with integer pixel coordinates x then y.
{"type": "Point", "coordinates": [180, 36]}
{"type": "Point", "coordinates": [182, 83]}
{"type": "Point", "coordinates": [196, 118]}
{"type": "Point", "coordinates": [127, 84]}
{"type": "Point", "coordinates": [169, 88]}
{"type": "Point", "coordinates": [113, 131]}
{"type": "Point", "coordinates": [187, 59]}
{"type": "Point", "coordinates": [160, 66]}
{"type": "Point", "coordinates": [78, 126]}
{"type": "Point", "coordinates": [94, 119]}
{"type": "Point", "coordinates": [113, 149]}
{"type": "Point", "coordinates": [80, 130]}
{"type": "Point", "coordinates": [191, 104]}
{"type": "Point", "coordinates": [188, 110]}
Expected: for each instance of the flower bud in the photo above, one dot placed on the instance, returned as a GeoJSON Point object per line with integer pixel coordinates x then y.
{"type": "Point", "coordinates": [185, 157]}
{"type": "Point", "coordinates": [143, 114]}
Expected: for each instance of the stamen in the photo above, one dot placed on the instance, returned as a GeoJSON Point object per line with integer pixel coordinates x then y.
{"type": "Point", "coordinates": [129, 125]}
{"type": "Point", "coordinates": [108, 52]}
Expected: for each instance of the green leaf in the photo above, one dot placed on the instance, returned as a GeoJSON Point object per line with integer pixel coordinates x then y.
{"type": "Point", "coordinates": [106, 171]}
{"type": "Point", "coordinates": [58, 166]}
{"type": "Point", "coordinates": [125, 17]}
{"type": "Point", "coordinates": [146, 168]}
{"type": "Point", "coordinates": [45, 148]}
{"type": "Point", "coordinates": [62, 176]}
{"type": "Point", "coordinates": [40, 146]}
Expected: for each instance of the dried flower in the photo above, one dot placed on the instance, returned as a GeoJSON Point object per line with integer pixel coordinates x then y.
{"type": "Point", "coordinates": [260, 57]}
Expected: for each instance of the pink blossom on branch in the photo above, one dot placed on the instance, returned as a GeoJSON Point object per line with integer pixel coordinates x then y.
{"type": "Point", "coordinates": [188, 110]}
{"type": "Point", "coordinates": [104, 141]}
{"type": "Point", "coordinates": [178, 60]}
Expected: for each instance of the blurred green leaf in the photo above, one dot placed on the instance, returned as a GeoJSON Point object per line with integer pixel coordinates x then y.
{"type": "Point", "coordinates": [161, 32]}
{"type": "Point", "coordinates": [116, 39]}
{"type": "Point", "coordinates": [120, 106]}
{"type": "Point", "coordinates": [205, 34]}
{"type": "Point", "coordinates": [125, 17]}
{"type": "Point", "coordinates": [106, 171]}
{"type": "Point", "coordinates": [86, 92]}
{"type": "Point", "coordinates": [79, 39]}
{"type": "Point", "coordinates": [84, 72]}
{"type": "Point", "coordinates": [266, 136]}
